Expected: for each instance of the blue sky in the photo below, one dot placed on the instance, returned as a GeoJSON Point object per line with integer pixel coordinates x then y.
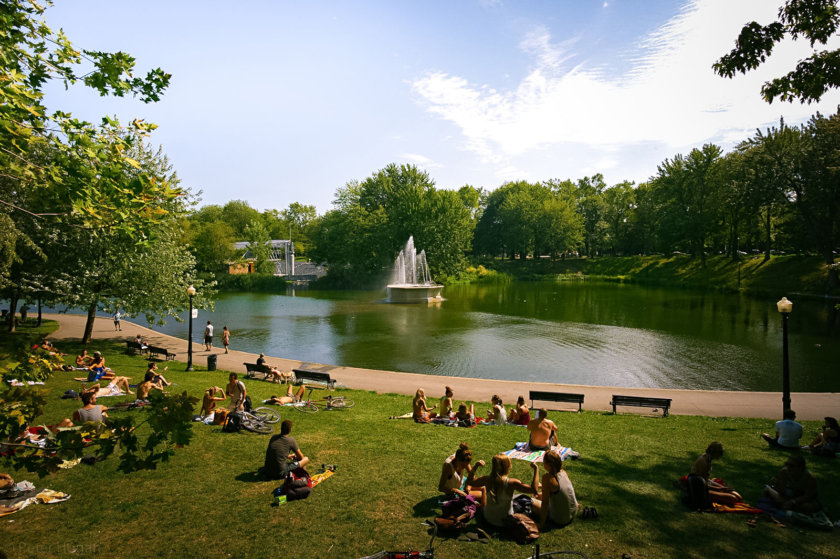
{"type": "Point", "coordinates": [276, 102]}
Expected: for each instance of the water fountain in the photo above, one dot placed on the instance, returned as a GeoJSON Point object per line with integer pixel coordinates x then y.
{"type": "Point", "coordinates": [410, 281]}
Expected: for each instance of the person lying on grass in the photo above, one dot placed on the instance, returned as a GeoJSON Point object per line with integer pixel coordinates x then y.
{"type": "Point", "coordinates": [289, 398]}
{"type": "Point", "coordinates": [558, 502]}
{"type": "Point", "coordinates": [519, 414]}
{"type": "Point", "coordinates": [500, 488]}
{"type": "Point", "coordinates": [543, 432]}
{"type": "Point", "coordinates": [702, 467]}
{"type": "Point", "coordinates": [283, 455]}
{"type": "Point", "coordinates": [420, 409]}
{"type": "Point", "coordinates": [117, 387]}
{"type": "Point", "coordinates": [497, 413]}
{"type": "Point", "coordinates": [453, 480]}
{"type": "Point", "coordinates": [90, 410]}
{"type": "Point", "coordinates": [795, 487]}
{"type": "Point", "coordinates": [466, 418]}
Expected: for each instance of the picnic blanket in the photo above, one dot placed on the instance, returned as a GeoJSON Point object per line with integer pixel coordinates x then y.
{"type": "Point", "coordinates": [521, 451]}
{"type": "Point", "coordinates": [25, 494]}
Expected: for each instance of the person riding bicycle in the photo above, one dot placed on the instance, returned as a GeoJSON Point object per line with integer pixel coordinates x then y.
{"type": "Point", "coordinates": [283, 455]}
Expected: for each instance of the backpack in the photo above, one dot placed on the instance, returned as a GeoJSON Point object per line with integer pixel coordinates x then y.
{"type": "Point", "coordinates": [247, 404]}
{"type": "Point", "coordinates": [696, 493]}
{"type": "Point", "coordinates": [524, 529]}
{"type": "Point", "coordinates": [457, 513]}
{"type": "Point", "coordinates": [233, 423]}
{"type": "Point", "coordinates": [298, 485]}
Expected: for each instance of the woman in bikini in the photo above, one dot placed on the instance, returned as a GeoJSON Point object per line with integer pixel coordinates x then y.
{"type": "Point", "coordinates": [420, 409]}
{"type": "Point", "coordinates": [455, 473]}
{"type": "Point", "coordinates": [520, 414]}
{"type": "Point", "coordinates": [446, 403]}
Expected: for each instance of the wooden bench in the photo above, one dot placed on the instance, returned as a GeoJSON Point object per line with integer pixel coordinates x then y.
{"type": "Point", "coordinates": [160, 351]}
{"type": "Point", "coordinates": [302, 375]}
{"type": "Point", "coordinates": [641, 402]}
{"type": "Point", "coordinates": [133, 348]}
{"type": "Point", "coordinates": [542, 396]}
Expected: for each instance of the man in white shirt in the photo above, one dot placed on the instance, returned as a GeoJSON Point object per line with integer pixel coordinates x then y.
{"type": "Point", "coordinates": [788, 432]}
{"type": "Point", "coordinates": [208, 336]}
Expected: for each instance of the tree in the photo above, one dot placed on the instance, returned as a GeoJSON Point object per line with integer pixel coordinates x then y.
{"type": "Point", "coordinates": [213, 246]}
{"type": "Point", "coordinates": [619, 202]}
{"type": "Point", "coordinates": [814, 20]}
{"type": "Point", "coordinates": [238, 214]}
{"type": "Point", "coordinates": [258, 239]}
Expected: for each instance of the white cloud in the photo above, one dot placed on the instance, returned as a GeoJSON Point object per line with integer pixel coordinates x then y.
{"type": "Point", "coordinates": [420, 160]}
{"type": "Point", "coordinates": [670, 96]}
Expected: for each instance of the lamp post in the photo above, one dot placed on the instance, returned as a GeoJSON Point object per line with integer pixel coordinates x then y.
{"type": "Point", "coordinates": [785, 307]}
{"type": "Point", "coordinates": [191, 293]}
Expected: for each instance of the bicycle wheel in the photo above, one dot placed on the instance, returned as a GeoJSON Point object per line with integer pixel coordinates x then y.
{"type": "Point", "coordinates": [306, 407]}
{"type": "Point", "coordinates": [267, 415]}
{"type": "Point", "coordinates": [256, 426]}
{"type": "Point", "coordinates": [341, 403]}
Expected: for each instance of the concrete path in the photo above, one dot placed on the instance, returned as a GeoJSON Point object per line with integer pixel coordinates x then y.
{"type": "Point", "coordinates": [808, 405]}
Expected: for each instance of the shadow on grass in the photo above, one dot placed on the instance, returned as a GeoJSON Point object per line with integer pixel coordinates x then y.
{"type": "Point", "coordinates": [427, 507]}
{"type": "Point", "coordinates": [252, 477]}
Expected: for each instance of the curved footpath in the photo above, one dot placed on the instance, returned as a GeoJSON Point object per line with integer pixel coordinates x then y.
{"type": "Point", "coordinates": [808, 405]}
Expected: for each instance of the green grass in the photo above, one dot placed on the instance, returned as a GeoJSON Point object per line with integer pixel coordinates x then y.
{"type": "Point", "coordinates": [208, 500]}
{"type": "Point", "coordinates": [779, 275]}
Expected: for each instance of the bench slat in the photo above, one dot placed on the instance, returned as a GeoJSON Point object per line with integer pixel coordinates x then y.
{"type": "Point", "coordinates": [565, 397]}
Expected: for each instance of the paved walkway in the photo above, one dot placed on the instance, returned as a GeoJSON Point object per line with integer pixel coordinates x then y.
{"type": "Point", "coordinates": [808, 405]}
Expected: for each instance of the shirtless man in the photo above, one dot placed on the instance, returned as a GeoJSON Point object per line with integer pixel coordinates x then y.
{"type": "Point", "coordinates": [236, 392]}
{"type": "Point", "coordinates": [158, 376]}
{"type": "Point", "coordinates": [289, 398]}
{"type": "Point", "coordinates": [146, 386]}
{"type": "Point", "coordinates": [83, 360]}
{"type": "Point", "coordinates": [543, 432]}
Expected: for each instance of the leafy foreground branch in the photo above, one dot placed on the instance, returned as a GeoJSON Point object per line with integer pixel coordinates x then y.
{"type": "Point", "coordinates": [144, 439]}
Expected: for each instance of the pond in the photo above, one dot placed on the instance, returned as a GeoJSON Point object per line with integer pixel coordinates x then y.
{"type": "Point", "coordinates": [604, 334]}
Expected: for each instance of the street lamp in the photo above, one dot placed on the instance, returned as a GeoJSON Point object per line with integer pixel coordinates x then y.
{"type": "Point", "coordinates": [785, 307]}
{"type": "Point", "coordinates": [191, 293]}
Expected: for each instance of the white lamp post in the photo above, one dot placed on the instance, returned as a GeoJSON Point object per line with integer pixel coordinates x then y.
{"type": "Point", "coordinates": [191, 293]}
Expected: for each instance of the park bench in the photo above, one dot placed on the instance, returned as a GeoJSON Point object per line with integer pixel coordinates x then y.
{"type": "Point", "coordinates": [302, 375]}
{"type": "Point", "coordinates": [641, 402]}
{"type": "Point", "coordinates": [133, 348]}
{"type": "Point", "coordinates": [158, 352]}
{"type": "Point", "coordinates": [565, 397]}
{"type": "Point", "coordinates": [252, 370]}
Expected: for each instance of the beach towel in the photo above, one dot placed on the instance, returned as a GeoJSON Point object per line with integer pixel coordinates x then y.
{"type": "Point", "coordinates": [318, 478]}
{"type": "Point", "coordinates": [521, 451]}
{"type": "Point", "coordinates": [24, 494]}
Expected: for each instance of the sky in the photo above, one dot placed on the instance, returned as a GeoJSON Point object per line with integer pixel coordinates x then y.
{"type": "Point", "coordinates": [275, 102]}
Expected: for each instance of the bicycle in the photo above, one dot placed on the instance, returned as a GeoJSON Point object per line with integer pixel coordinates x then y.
{"type": "Point", "coordinates": [259, 420]}
{"type": "Point", "coordinates": [411, 554]}
{"type": "Point", "coordinates": [329, 403]}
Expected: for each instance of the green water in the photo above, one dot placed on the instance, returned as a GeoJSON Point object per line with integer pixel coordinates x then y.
{"type": "Point", "coordinates": [568, 332]}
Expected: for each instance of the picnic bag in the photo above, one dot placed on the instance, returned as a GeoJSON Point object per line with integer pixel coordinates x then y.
{"type": "Point", "coordinates": [220, 416]}
{"type": "Point", "coordinates": [246, 405]}
{"type": "Point", "coordinates": [233, 423]}
{"type": "Point", "coordinates": [457, 512]}
{"type": "Point", "coordinates": [696, 493]}
{"type": "Point", "coordinates": [298, 485]}
{"type": "Point", "coordinates": [523, 529]}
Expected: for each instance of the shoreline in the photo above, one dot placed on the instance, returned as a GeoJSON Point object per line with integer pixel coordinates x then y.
{"type": "Point", "coordinates": [713, 403]}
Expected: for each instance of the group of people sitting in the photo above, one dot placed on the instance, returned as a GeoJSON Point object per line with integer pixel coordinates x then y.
{"type": "Point", "coordinates": [789, 432]}
{"type": "Point", "coordinates": [497, 414]}
{"type": "Point", "coordinates": [553, 501]}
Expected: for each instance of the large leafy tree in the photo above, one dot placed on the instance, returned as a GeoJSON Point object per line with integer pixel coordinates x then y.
{"type": "Point", "coordinates": [815, 21]}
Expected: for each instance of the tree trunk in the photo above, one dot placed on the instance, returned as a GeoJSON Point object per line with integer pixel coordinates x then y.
{"type": "Point", "coordinates": [39, 310]}
{"type": "Point", "coordinates": [767, 236]}
{"type": "Point", "coordinates": [13, 301]}
{"type": "Point", "coordinates": [91, 316]}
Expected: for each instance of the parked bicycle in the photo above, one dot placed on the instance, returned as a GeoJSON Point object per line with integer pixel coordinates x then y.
{"type": "Point", "coordinates": [308, 405]}
{"type": "Point", "coordinates": [258, 420]}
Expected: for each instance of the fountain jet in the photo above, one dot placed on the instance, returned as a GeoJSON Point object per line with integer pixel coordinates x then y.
{"type": "Point", "coordinates": [410, 280]}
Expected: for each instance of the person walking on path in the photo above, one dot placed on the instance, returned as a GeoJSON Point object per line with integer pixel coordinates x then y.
{"type": "Point", "coordinates": [117, 317]}
{"type": "Point", "coordinates": [208, 336]}
{"type": "Point", "coordinates": [226, 338]}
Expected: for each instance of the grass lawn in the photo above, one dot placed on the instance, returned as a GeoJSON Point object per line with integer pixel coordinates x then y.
{"type": "Point", "coordinates": [208, 501]}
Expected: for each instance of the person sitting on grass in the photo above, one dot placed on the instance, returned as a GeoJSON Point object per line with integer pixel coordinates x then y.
{"type": "Point", "coordinates": [497, 413]}
{"type": "Point", "coordinates": [455, 475]}
{"type": "Point", "coordinates": [788, 432]}
{"type": "Point", "coordinates": [158, 376]}
{"type": "Point", "coordinates": [446, 403]}
{"type": "Point", "coordinates": [283, 455]}
{"type": "Point", "coordinates": [543, 432]}
{"type": "Point", "coordinates": [83, 360]}
{"type": "Point", "coordinates": [236, 392]}
{"type": "Point", "coordinates": [145, 387]}
{"type": "Point", "coordinates": [466, 418]}
{"type": "Point", "coordinates": [718, 493]}
{"type": "Point", "coordinates": [520, 414]}
{"type": "Point", "coordinates": [827, 442]}
{"type": "Point", "coordinates": [420, 409]}
{"type": "Point", "coordinates": [117, 387]}
{"type": "Point", "coordinates": [90, 411]}
{"type": "Point", "coordinates": [558, 502]}
{"type": "Point", "coordinates": [795, 487]}
{"type": "Point", "coordinates": [208, 402]}
{"type": "Point", "coordinates": [97, 367]}
{"type": "Point", "coordinates": [500, 488]}
{"type": "Point", "coordinates": [289, 398]}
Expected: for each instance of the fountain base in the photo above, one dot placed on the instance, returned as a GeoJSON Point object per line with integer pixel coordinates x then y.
{"type": "Point", "coordinates": [414, 293]}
